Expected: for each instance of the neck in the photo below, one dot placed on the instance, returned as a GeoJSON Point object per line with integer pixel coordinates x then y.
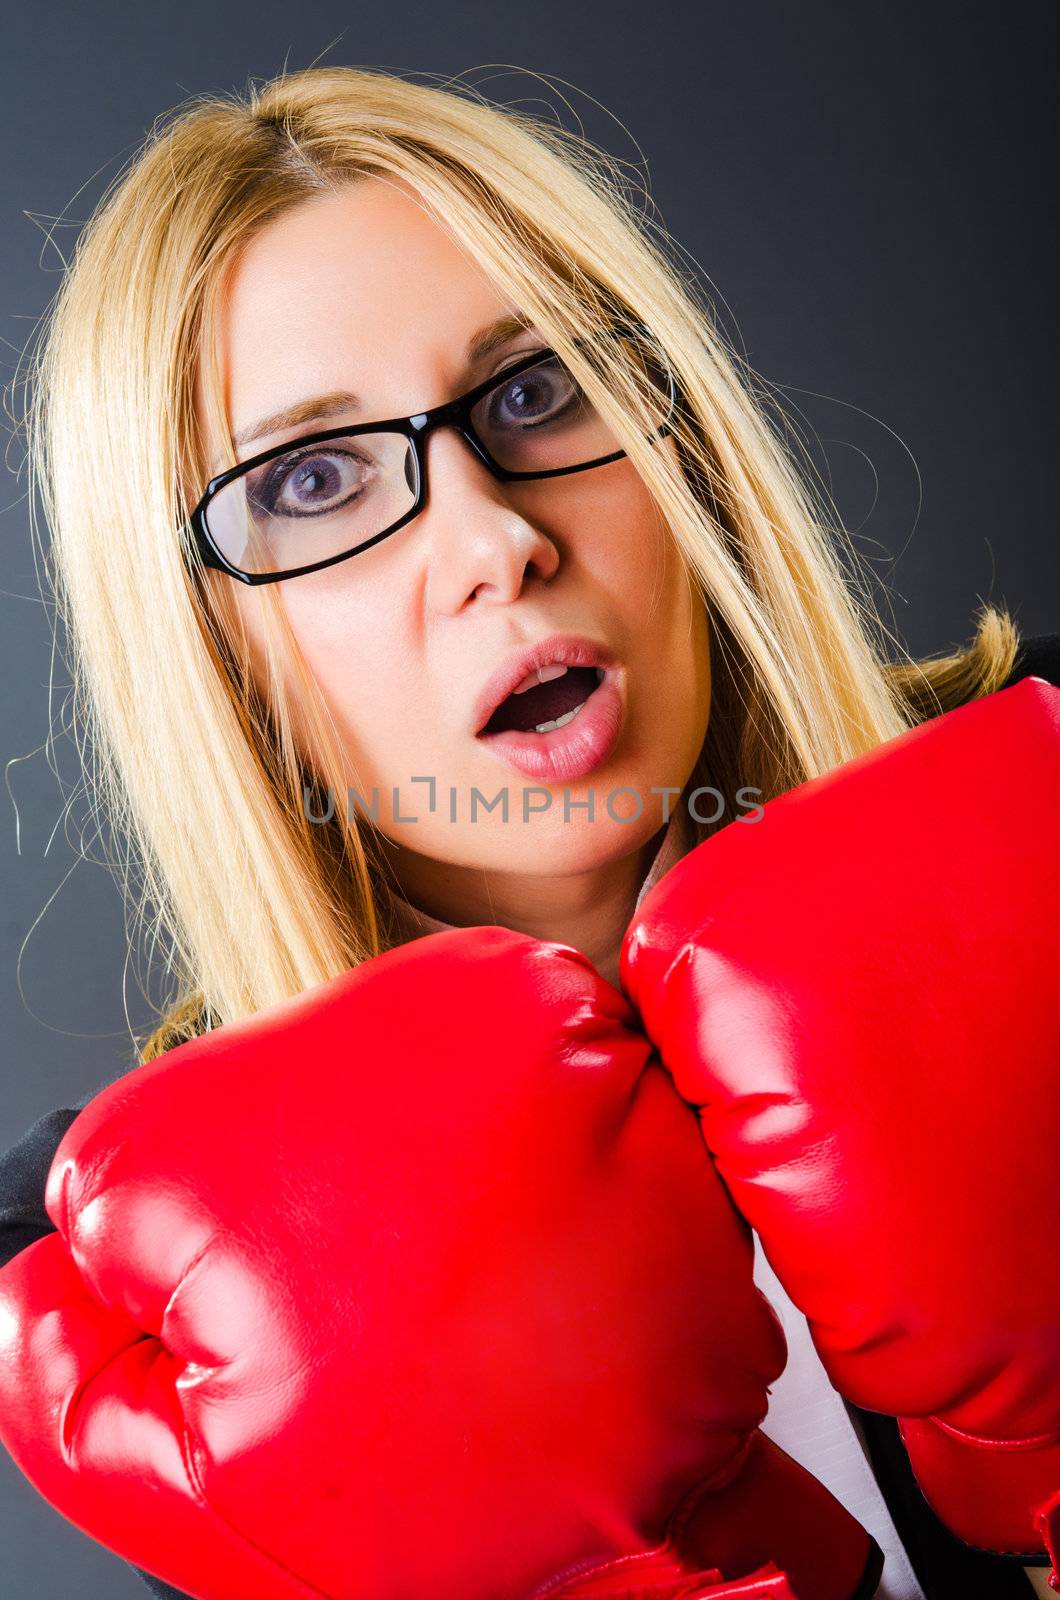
{"type": "Point", "coordinates": [590, 909]}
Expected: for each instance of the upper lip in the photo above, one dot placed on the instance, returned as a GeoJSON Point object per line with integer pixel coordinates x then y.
{"type": "Point", "coordinates": [568, 649]}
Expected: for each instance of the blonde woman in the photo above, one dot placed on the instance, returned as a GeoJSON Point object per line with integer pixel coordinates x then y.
{"type": "Point", "coordinates": [291, 690]}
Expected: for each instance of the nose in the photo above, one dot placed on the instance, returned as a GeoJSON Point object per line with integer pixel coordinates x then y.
{"type": "Point", "coordinates": [479, 546]}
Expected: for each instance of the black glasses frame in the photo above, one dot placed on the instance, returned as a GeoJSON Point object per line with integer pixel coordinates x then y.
{"type": "Point", "coordinates": [418, 428]}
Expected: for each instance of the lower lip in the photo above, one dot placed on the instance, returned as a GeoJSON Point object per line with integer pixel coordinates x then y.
{"type": "Point", "coordinates": [571, 752]}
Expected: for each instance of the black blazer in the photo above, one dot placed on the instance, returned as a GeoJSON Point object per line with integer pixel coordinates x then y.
{"type": "Point", "coordinates": [944, 1566]}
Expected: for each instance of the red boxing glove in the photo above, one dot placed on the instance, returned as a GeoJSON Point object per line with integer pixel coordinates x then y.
{"type": "Point", "coordinates": [420, 1283]}
{"type": "Point", "coordinates": [859, 993]}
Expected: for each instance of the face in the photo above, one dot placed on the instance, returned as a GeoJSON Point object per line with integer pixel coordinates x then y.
{"type": "Point", "coordinates": [364, 291]}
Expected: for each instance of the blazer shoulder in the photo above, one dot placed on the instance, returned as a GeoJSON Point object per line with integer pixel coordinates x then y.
{"type": "Point", "coordinates": [23, 1175]}
{"type": "Point", "coordinates": [24, 1169]}
{"type": "Point", "coordinates": [1037, 657]}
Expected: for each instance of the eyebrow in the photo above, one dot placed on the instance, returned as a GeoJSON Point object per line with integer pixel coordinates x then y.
{"type": "Point", "coordinates": [341, 401]}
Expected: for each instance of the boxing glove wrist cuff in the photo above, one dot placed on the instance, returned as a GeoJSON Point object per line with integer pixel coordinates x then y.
{"type": "Point", "coordinates": [774, 1530]}
{"type": "Point", "coordinates": [997, 1495]}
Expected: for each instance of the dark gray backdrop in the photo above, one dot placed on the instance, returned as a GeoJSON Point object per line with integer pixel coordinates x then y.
{"type": "Point", "coordinates": [866, 188]}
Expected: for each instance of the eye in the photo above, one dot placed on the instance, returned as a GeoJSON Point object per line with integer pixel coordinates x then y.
{"type": "Point", "coordinates": [540, 394]}
{"type": "Point", "coordinates": [309, 483]}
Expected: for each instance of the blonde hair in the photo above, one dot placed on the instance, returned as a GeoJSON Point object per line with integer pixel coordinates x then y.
{"type": "Point", "coordinates": [200, 775]}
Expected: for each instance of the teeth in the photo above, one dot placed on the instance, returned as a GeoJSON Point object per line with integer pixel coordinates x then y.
{"type": "Point", "coordinates": [540, 675]}
{"type": "Point", "coordinates": [560, 722]}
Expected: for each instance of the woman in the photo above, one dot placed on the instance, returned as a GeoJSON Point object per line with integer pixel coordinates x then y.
{"type": "Point", "coordinates": [255, 647]}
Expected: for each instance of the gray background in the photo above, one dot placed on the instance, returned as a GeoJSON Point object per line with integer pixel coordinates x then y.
{"type": "Point", "coordinates": [866, 190]}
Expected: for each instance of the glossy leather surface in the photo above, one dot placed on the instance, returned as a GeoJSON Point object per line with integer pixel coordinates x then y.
{"type": "Point", "coordinates": [860, 993]}
{"type": "Point", "coordinates": [420, 1283]}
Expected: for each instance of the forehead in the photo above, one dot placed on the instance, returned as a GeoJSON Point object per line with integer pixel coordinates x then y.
{"type": "Point", "coordinates": [362, 289]}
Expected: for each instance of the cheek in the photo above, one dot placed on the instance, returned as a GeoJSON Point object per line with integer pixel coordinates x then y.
{"type": "Point", "coordinates": [355, 654]}
{"type": "Point", "coordinates": [607, 524]}
{"type": "Point", "coordinates": [623, 543]}
{"type": "Point", "coordinates": [631, 549]}
{"type": "Point", "coordinates": [354, 649]}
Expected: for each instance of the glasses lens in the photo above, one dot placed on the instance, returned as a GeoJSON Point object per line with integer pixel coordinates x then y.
{"type": "Point", "coordinates": [314, 502]}
{"type": "Point", "coordinates": [541, 420]}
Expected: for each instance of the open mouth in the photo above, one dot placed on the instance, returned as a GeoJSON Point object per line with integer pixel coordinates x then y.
{"type": "Point", "coordinates": [551, 703]}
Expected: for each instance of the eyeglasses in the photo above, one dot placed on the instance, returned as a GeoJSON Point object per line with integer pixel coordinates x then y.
{"type": "Point", "coordinates": [333, 494]}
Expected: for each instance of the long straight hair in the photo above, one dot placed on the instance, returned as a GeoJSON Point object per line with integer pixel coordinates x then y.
{"type": "Point", "coordinates": [196, 773]}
